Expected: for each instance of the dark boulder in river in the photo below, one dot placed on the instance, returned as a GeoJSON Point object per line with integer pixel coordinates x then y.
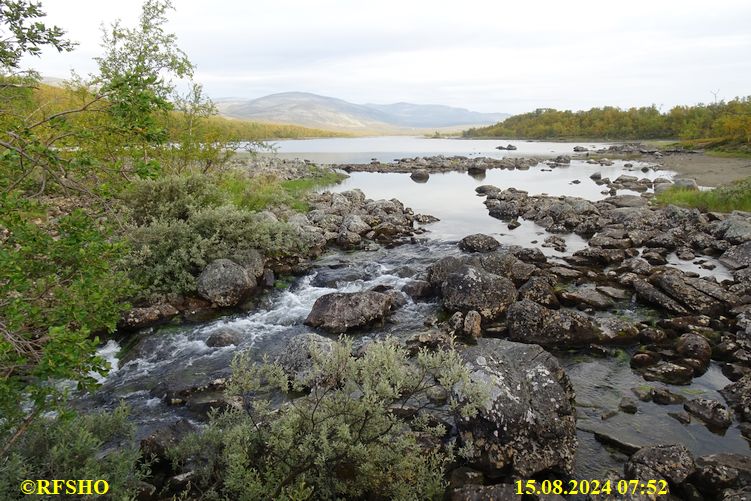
{"type": "Point", "coordinates": [478, 242]}
{"type": "Point", "coordinates": [345, 311]}
{"type": "Point", "coordinates": [528, 424]}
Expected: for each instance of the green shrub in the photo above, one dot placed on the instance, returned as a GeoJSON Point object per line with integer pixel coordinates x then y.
{"type": "Point", "coordinates": [173, 197]}
{"type": "Point", "coordinates": [96, 446]}
{"type": "Point", "coordinates": [348, 438]}
{"type": "Point", "coordinates": [168, 255]}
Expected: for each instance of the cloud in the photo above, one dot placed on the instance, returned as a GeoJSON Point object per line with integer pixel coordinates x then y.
{"type": "Point", "coordinates": [488, 56]}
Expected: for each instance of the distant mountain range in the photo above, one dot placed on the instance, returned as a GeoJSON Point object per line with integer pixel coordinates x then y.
{"type": "Point", "coordinates": [312, 110]}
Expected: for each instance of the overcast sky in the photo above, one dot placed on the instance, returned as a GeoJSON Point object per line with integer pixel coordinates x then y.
{"type": "Point", "coordinates": [483, 55]}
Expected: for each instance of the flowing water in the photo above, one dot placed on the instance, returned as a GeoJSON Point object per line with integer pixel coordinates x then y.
{"type": "Point", "coordinates": [178, 357]}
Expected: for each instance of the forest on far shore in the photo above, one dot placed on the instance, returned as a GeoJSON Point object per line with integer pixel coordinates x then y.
{"type": "Point", "coordinates": [719, 124]}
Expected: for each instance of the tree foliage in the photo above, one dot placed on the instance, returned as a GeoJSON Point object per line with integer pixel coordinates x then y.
{"type": "Point", "coordinates": [729, 120]}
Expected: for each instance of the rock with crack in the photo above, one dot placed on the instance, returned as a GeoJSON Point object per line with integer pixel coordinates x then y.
{"type": "Point", "coordinates": [528, 424]}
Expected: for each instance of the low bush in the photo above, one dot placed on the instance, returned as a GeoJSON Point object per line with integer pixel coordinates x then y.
{"type": "Point", "coordinates": [360, 432]}
{"type": "Point", "coordinates": [96, 446]}
{"type": "Point", "coordinates": [168, 254]}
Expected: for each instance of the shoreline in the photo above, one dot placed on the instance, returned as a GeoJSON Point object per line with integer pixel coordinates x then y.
{"type": "Point", "coordinates": [707, 170]}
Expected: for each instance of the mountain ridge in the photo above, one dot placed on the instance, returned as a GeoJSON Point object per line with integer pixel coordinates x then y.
{"type": "Point", "coordinates": [313, 110]}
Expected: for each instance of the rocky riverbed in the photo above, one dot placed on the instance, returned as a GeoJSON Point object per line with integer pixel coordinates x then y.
{"type": "Point", "coordinates": [613, 360]}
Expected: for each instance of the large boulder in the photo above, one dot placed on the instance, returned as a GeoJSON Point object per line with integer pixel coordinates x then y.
{"type": "Point", "coordinates": [738, 256]}
{"type": "Point", "coordinates": [475, 289]}
{"type": "Point", "coordinates": [530, 322]}
{"type": "Point", "coordinates": [697, 295]}
{"type": "Point", "coordinates": [344, 311]}
{"type": "Point", "coordinates": [539, 290]}
{"type": "Point", "coordinates": [528, 424]}
{"type": "Point", "coordinates": [224, 283]}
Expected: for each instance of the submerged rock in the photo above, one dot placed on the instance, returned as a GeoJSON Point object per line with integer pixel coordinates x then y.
{"type": "Point", "coordinates": [528, 425]}
{"type": "Point", "coordinates": [340, 312]}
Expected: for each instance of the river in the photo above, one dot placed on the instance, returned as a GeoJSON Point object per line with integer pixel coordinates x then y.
{"type": "Point", "coordinates": [178, 356]}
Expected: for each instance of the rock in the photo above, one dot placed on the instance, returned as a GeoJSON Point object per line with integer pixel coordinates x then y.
{"type": "Point", "coordinates": [738, 397]}
{"type": "Point", "coordinates": [150, 316]}
{"type": "Point", "coordinates": [718, 472]}
{"type": "Point", "coordinates": [628, 405]}
{"type": "Point", "coordinates": [353, 223]}
{"type": "Point", "coordinates": [253, 262]}
{"type": "Point", "coordinates": [420, 175]}
{"type": "Point", "coordinates": [643, 393]}
{"type": "Point", "coordinates": [344, 311]}
{"type": "Point", "coordinates": [617, 442]}
{"type": "Point", "coordinates": [510, 147]}
{"type": "Point", "coordinates": [478, 243]}
{"type": "Point", "coordinates": [539, 290]}
{"type": "Point", "coordinates": [473, 324]}
{"type": "Point", "coordinates": [672, 463]}
{"type": "Point", "coordinates": [224, 283]}
{"type": "Point", "coordinates": [224, 336]}
{"type": "Point", "coordinates": [331, 278]}
{"type": "Point", "coordinates": [735, 229]}
{"type": "Point", "coordinates": [529, 322]}
{"type": "Point", "coordinates": [650, 294]}
{"type": "Point", "coordinates": [616, 330]}
{"type": "Point", "coordinates": [157, 445]}
{"type": "Point", "coordinates": [668, 372]}
{"type": "Point", "coordinates": [418, 289]}
{"type": "Point", "coordinates": [682, 417]}
{"type": "Point", "coordinates": [498, 492]}
{"type": "Point", "coordinates": [694, 346]}
{"type": "Point", "coordinates": [476, 289]}
{"type": "Point", "coordinates": [584, 297]}
{"type": "Point", "coordinates": [712, 412]}
{"type": "Point", "coordinates": [528, 425]}
{"type": "Point", "coordinates": [686, 184]}
{"type": "Point", "coordinates": [298, 356]}
{"type": "Point", "coordinates": [580, 149]}
{"type": "Point", "coordinates": [684, 290]}
{"type": "Point", "coordinates": [737, 257]}
{"type": "Point", "coordinates": [627, 201]}
{"type": "Point", "coordinates": [614, 292]}
{"type": "Point", "coordinates": [663, 396]}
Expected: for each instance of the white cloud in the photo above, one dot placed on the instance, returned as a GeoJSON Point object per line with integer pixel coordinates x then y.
{"type": "Point", "coordinates": [488, 56]}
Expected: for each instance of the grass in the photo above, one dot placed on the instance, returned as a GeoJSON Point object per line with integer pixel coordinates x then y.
{"type": "Point", "coordinates": [261, 192]}
{"type": "Point", "coordinates": [735, 196]}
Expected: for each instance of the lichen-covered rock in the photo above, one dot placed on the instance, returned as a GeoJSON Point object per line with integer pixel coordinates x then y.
{"type": "Point", "coordinates": [224, 283]}
{"type": "Point", "coordinates": [673, 463]}
{"type": "Point", "coordinates": [340, 312]}
{"type": "Point", "coordinates": [668, 372]}
{"type": "Point", "coordinates": [224, 336]}
{"type": "Point", "coordinates": [712, 412]}
{"type": "Point", "coordinates": [529, 322]}
{"type": "Point", "coordinates": [528, 424]}
{"type": "Point", "coordinates": [539, 290]}
{"type": "Point", "coordinates": [149, 316]}
{"type": "Point", "coordinates": [475, 289]}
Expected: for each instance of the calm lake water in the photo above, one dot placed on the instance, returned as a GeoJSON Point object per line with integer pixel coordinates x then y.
{"type": "Point", "coordinates": [390, 148]}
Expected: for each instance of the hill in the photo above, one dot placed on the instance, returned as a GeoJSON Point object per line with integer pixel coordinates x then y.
{"type": "Point", "coordinates": [312, 110]}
